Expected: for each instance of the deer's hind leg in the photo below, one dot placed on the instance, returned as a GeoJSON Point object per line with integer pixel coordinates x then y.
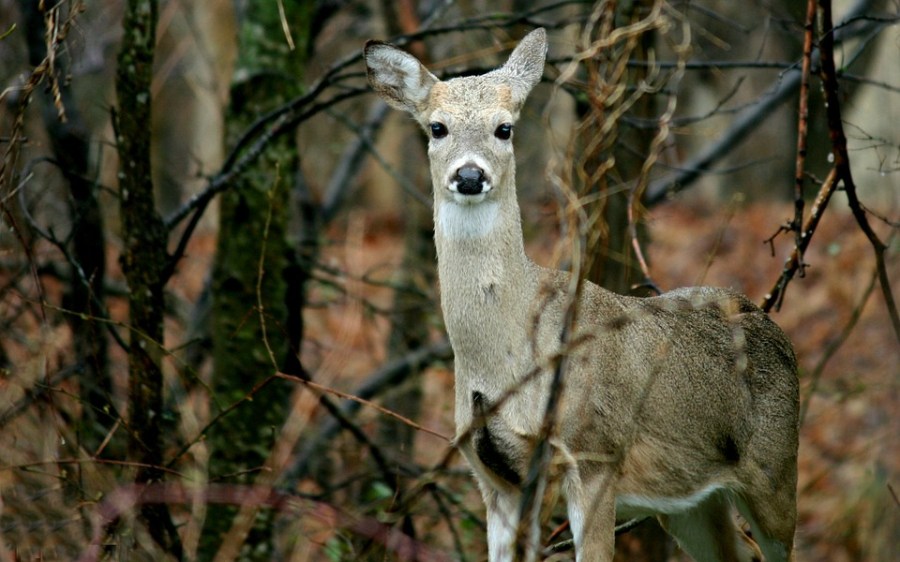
{"type": "Point", "coordinates": [708, 533]}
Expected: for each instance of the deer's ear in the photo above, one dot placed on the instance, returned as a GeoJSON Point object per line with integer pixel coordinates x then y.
{"type": "Point", "coordinates": [398, 77]}
{"type": "Point", "coordinates": [526, 64]}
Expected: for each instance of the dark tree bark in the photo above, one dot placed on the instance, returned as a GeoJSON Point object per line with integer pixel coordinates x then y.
{"type": "Point", "coordinates": [69, 140]}
{"type": "Point", "coordinates": [257, 321]}
{"type": "Point", "coordinates": [144, 260]}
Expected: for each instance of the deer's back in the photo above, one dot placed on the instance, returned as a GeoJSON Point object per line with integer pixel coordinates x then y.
{"type": "Point", "coordinates": [697, 373]}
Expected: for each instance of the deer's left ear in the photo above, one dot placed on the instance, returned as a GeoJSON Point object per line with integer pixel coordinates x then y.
{"type": "Point", "coordinates": [526, 64]}
{"type": "Point", "coordinates": [397, 76]}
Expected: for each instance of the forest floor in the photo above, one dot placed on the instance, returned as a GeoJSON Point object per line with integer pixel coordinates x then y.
{"type": "Point", "coordinates": [850, 378]}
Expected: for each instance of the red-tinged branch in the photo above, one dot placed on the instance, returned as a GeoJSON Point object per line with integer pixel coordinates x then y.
{"type": "Point", "coordinates": [803, 124]}
{"type": "Point", "coordinates": [795, 262]}
{"type": "Point", "coordinates": [123, 499]}
{"type": "Point", "coordinates": [363, 401]}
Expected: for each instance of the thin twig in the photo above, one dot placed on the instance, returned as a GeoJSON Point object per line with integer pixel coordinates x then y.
{"type": "Point", "coordinates": [364, 402]}
{"type": "Point", "coordinates": [784, 88]}
{"type": "Point", "coordinates": [775, 296]}
{"type": "Point", "coordinates": [62, 246]}
{"type": "Point", "coordinates": [261, 268]}
{"type": "Point", "coordinates": [387, 377]}
{"type": "Point", "coordinates": [657, 145]}
{"type": "Point", "coordinates": [836, 344]}
{"type": "Point", "coordinates": [736, 199]}
{"type": "Point", "coordinates": [35, 393]}
{"type": "Point", "coordinates": [226, 411]}
{"type": "Point", "coordinates": [803, 127]}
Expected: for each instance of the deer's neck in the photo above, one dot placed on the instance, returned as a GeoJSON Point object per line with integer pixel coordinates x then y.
{"type": "Point", "coordinates": [487, 286]}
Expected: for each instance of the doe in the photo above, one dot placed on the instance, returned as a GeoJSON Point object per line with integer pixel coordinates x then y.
{"type": "Point", "coordinates": [682, 406]}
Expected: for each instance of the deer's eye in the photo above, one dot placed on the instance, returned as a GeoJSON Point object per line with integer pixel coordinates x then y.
{"type": "Point", "coordinates": [504, 131]}
{"type": "Point", "coordinates": [438, 130]}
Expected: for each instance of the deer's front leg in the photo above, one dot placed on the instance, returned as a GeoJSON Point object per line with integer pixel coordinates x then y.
{"type": "Point", "coordinates": [591, 505]}
{"type": "Point", "coordinates": [502, 521]}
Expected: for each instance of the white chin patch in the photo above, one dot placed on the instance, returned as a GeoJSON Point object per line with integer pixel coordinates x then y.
{"type": "Point", "coordinates": [463, 199]}
{"type": "Point", "coordinates": [465, 220]}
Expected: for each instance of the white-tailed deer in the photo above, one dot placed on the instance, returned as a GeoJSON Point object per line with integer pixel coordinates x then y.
{"type": "Point", "coordinates": [681, 406]}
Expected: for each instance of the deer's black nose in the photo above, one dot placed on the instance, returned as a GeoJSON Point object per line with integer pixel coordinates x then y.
{"type": "Point", "coordinates": [469, 180]}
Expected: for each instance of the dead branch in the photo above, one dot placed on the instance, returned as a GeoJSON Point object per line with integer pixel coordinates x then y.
{"type": "Point", "coordinates": [803, 127]}
{"type": "Point", "coordinates": [842, 158]}
{"type": "Point", "coordinates": [775, 296]}
{"type": "Point", "coordinates": [389, 376]}
{"type": "Point", "coordinates": [347, 396]}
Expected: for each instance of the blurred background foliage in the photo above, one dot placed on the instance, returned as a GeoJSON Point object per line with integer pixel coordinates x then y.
{"type": "Point", "coordinates": [304, 379]}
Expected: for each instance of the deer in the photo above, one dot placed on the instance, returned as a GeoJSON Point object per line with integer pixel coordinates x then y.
{"type": "Point", "coordinates": [682, 406]}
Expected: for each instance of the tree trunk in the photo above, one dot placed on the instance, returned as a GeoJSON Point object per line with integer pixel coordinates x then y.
{"type": "Point", "coordinates": [143, 261]}
{"type": "Point", "coordinates": [252, 331]}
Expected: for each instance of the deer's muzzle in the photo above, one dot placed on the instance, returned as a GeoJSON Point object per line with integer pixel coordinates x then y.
{"type": "Point", "coordinates": [469, 180]}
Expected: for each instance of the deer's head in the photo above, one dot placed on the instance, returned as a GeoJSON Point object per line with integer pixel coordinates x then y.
{"type": "Point", "coordinates": [469, 120]}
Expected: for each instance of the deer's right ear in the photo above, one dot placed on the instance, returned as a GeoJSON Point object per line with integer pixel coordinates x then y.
{"type": "Point", "coordinates": [397, 76]}
{"type": "Point", "coordinates": [526, 64]}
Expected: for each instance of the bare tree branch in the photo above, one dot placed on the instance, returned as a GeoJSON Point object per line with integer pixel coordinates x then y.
{"type": "Point", "coordinates": [385, 378]}
{"type": "Point", "coordinates": [842, 159]}
{"type": "Point", "coordinates": [785, 87]}
{"type": "Point", "coordinates": [775, 296]}
{"type": "Point", "coordinates": [803, 126]}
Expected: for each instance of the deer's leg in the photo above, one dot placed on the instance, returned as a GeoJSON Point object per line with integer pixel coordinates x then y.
{"type": "Point", "coordinates": [707, 532]}
{"type": "Point", "coordinates": [591, 506]}
{"type": "Point", "coordinates": [502, 521]}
